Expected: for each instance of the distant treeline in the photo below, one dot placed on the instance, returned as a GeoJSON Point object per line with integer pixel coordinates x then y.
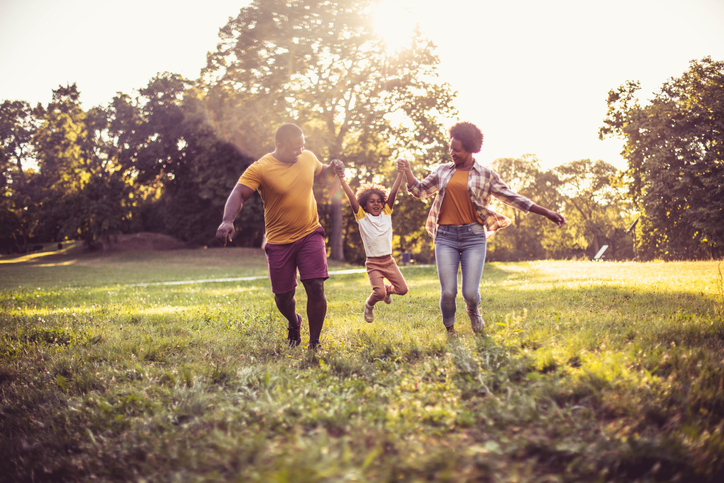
{"type": "Point", "coordinates": [165, 159]}
{"type": "Point", "coordinates": [157, 164]}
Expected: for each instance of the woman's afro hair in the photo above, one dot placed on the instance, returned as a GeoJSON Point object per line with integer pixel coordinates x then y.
{"type": "Point", "coordinates": [469, 135]}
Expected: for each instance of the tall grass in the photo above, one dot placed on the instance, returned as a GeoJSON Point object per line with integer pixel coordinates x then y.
{"type": "Point", "coordinates": [587, 372]}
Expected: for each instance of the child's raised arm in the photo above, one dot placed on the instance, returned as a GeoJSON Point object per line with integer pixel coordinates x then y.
{"type": "Point", "coordinates": [350, 195]}
{"type": "Point", "coordinates": [393, 191]}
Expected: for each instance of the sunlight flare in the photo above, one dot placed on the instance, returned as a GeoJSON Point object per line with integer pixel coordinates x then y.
{"type": "Point", "coordinates": [395, 22]}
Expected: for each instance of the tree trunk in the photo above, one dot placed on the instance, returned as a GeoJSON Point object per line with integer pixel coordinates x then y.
{"type": "Point", "coordinates": [335, 238]}
{"type": "Point", "coordinates": [106, 243]}
{"type": "Point", "coordinates": [336, 251]}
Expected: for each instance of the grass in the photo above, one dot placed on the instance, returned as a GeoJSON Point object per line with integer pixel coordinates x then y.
{"type": "Point", "coordinates": [588, 372]}
{"type": "Point", "coordinates": [70, 267]}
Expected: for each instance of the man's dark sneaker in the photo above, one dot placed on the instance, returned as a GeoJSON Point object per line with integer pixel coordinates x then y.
{"type": "Point", "coordinates": [313, 345]}
{"type": "Point", "coordinates": [451, 331]}
{"type": "Point", "coordinates": [295, 333]}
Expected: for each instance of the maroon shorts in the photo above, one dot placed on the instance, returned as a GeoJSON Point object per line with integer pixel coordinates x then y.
{"type": "Point", "coordinates": [308, 254]}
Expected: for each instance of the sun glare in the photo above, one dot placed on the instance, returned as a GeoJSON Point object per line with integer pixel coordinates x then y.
{"type": "Point", "coordinates": [394, 22]}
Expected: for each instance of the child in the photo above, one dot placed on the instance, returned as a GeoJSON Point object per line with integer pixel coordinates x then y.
{"type": "Point", "coordinates": [372, 208]}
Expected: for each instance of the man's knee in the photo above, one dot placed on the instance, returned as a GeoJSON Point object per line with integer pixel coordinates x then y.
{"type": "Point", "coordinates": [314, 288]}
{"type": "Point", "coordinates": [284, 298]}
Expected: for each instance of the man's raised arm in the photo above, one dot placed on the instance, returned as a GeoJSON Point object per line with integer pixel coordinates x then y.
{"type": "Point", "coordinates": [329, 170]}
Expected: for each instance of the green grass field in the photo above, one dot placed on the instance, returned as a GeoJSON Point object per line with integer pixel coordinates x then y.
{"type": "Point", "coordinates": [588, 372]}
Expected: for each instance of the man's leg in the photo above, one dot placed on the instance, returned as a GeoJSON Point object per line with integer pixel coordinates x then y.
{"type": "Point", "coordinates": [312, 265]}
{"type": "Point", "coordinates": [287, 304]}
{"type": "Point", "coordinates": [316, 308]}
{"type": "Point", "coordinates": [283, 276]}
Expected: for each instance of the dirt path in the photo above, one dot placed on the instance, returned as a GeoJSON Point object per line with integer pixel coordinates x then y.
{"type": "Point", "coordinates": [237, 279]}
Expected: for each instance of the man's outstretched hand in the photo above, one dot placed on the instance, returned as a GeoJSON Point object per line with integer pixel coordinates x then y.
{"type": "Point", "coordinates": [225, 232]}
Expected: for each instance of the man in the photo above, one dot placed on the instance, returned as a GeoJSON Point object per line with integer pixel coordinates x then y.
{"type": "Point", "coordinates": [295, 239]}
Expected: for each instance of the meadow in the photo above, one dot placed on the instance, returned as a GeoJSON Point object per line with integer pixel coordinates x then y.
{"type": "Point", "coordinates": [588, 371]}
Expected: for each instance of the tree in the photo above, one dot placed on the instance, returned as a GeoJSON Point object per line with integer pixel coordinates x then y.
{"type": "Point", "coordinates": [85, 182]}
{"type": "Point", "coordinates": [152, 163]}
{"type": "Point", "coordinates": [675, 152]}
{"type": "Point", "coordinates": [319, 64]}
{"type": "Point", "coordinates": [58, 154]}
{"type": "Point", "coordinates": [178, 151]}
{"type": "Point", "coordinates": [524, 239]}
{"type": "Point", "coordinates": [596, 208]}
{"type": "Point", "coordinates": [17, 175]}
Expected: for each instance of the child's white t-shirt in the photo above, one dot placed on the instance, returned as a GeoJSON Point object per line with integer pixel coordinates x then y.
{"type": "Point", "coordinates": [376, 231]}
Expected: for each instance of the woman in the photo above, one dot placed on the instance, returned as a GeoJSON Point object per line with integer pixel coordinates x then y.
{"type": "Point", "coordinates": [460, 220]}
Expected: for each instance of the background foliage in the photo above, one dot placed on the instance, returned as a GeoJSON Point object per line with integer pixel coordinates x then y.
{"type": "Point", "coordinates": [675, 152]}
{"type": "Point", "coordinates": [165, 158]}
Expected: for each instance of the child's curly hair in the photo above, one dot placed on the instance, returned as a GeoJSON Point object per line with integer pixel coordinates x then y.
{"type": "Point", "coordinates": [366, 190]}
{"type": "Point", "coordinates": [469, 135]}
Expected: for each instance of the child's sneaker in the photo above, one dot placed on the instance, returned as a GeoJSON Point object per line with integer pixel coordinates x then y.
{"type": "Point", "coordinates": [388, 298]}
{"type": "Point", "coordinates": [476, 321]}
{"type": "Point", "coordinates": [369, 315]}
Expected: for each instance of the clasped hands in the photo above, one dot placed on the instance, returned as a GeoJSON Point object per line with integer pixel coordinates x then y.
{"type": "Point", "coordinates": [338, 166]}
{"type": "Point", "coordinates": [403, 165]}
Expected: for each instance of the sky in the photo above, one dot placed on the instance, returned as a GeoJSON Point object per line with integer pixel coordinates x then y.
{"type": "Point", "coordinates": [533, 75]}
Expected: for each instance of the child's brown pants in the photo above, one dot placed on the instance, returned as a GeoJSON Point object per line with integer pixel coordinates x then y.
{"type": "Point", "coordinates": [379, 268]}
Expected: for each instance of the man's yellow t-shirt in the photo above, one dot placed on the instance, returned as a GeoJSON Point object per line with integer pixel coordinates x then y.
{"type": "Point", "coordinates": [290, 210]}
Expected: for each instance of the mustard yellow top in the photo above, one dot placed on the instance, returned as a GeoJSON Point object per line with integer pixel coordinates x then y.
{"type": "Point", "coordinates": [457, 208]}
{"type": "Point", "coordinates": [290, 210]}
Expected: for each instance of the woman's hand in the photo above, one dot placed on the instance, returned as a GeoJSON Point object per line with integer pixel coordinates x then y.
{"type": "Point", "coordinates": [556, 218]}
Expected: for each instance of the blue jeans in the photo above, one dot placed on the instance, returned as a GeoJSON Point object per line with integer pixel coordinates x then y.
{"type": "Point", "coordinates": [459, 246]}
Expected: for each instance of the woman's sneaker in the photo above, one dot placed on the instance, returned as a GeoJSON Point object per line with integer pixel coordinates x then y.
{"type": "Point", "coordinates": [369, 315]}
{"type": "Point", "coordinates": [476, 321]}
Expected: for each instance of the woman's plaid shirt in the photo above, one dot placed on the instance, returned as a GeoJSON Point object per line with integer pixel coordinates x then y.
{"type": "Point", "coordinates": [483, 184]}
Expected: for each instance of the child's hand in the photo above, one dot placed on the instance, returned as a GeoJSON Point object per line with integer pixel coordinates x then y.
{"type": "Point", "coordinates": [403, 165]}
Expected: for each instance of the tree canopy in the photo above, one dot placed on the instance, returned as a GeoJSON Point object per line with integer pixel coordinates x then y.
{"type": "Point", "coordinates": [674, 146]}
{"type": "Point", "coordinates": [164, 158]}
{"type": "Point", "coordinates": [595, 208]}
{"type": "Point", "coordinates": [321, 65]}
